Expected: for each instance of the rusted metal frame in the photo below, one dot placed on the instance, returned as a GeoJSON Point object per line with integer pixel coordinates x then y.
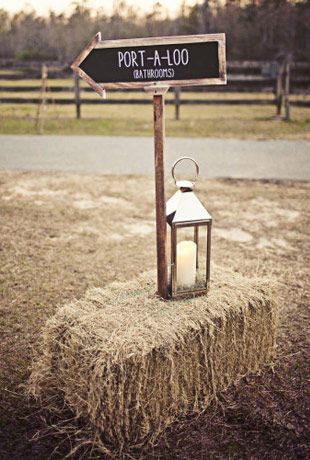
{"type": "Point", "coordinates": [196, 240]}
{"type": "Point", "coordinates": [193, 223]}
{"type": "Point", "coordinates": [160, 201]}
{"type": "Point", "coordinates": [173, 262]}
{"type": "Point", "coordinates": [208, 261]}
{"type": "Point", "coordinates": [191, 293]}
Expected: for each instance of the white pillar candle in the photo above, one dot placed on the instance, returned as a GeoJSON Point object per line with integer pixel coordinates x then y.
{"type": "Point", "coordinates": [186, 263]}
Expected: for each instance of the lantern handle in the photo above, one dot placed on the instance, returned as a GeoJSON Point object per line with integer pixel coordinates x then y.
{"type": "Point", "coordinates": [178, 161]}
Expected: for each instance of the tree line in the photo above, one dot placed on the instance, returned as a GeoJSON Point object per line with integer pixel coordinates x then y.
{"type": "Point", "coordinates": [255, 29]}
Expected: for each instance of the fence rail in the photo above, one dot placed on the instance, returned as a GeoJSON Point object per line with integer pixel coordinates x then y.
{"type": "Point", "coordinates": [280, 79]}
{"type": "Point", "coordinates": [63, 101]}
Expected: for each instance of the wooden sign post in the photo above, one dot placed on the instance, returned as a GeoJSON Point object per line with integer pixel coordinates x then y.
{"type": "Point", "coordinates": [155, 64]}
{"type": "Point", "coordinates": [161, 231]}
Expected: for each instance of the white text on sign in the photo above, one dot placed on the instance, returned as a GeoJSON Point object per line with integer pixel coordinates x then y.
{"type": "Point", "coordinates": [137, 60]}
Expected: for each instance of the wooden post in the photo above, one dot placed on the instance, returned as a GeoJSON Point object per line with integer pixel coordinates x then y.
{"type": "Point", "coordinates": [279, 90]}
{"type": "Point", "coordinates": [177, 91]}
{"type": "Point", "coordinates": [42, 102]}
{"type": "Point", "coordinates": [161, 225]}
{"type": "Point", "coordinates": [287, 90]}
{"type": "Point", "coordinates": [77, 94]}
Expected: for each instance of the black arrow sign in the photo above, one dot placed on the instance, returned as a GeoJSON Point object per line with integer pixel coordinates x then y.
{"type": "Point", "coordinates": [166, 61]}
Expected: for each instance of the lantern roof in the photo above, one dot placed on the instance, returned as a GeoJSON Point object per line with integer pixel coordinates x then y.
{"type": "Point", "coordinates": [185, 207]}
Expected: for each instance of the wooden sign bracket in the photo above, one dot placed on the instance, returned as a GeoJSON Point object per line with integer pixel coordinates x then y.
{"type": "Point", "coordinates": [156, 89]}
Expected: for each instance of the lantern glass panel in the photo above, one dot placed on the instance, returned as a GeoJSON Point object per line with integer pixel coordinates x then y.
{"type": "Point", "coordinates": [191, 259]}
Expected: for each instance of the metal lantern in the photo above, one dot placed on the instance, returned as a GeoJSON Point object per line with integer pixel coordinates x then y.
{"type": "Point", "coordinates": [190, 258]}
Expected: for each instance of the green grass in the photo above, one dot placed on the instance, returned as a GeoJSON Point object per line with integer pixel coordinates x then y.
{"type": "Point", "coordinates": [10, 72]}
{"type": "Point", "coordinates": [243, 122]}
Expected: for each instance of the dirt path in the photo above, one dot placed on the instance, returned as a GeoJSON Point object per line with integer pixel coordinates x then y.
{"type": "Point", "coordinates": [281, 159]}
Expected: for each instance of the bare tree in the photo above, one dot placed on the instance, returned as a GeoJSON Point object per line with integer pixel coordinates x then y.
{"type": "Point", "coordinates": [255, 29]}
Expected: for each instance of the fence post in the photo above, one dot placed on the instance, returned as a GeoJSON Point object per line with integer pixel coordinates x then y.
{"type": "Point", "coordinates": [279, 90]}
{"type": "Point", "coordinates": [42, 101]}
{"type": "Point", "coordinates": [177, 102]}
{"type": "Point", "coordinates": [77, 95]}
{"type": "Point", "coordinates": [287, 90]}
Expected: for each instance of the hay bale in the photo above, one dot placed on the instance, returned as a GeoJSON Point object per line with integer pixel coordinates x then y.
{"type": "Point", "coordinates": [128, 364]}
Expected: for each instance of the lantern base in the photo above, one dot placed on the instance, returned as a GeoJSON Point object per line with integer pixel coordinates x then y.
{"type": "Point", "coordinates": [128, 364]}
{"type": "Point", "coordinates": [188, 293]}
{"type": "Point", "coordinates": [201, 287]}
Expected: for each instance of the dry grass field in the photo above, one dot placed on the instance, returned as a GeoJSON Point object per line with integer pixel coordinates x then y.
{"type": "Point", "coordinates": [62, 233]}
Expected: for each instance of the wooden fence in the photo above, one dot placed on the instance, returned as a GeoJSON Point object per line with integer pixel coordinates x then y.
{"type": "Point", "coordinates": [279, 78]}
